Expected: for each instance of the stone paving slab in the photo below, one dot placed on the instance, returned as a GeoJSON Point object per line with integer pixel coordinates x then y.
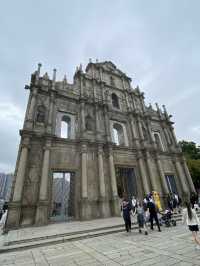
{"type": "Point", "coordinates": [173, 246]}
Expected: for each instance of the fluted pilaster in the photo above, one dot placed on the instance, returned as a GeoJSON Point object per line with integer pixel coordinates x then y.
{"type": "Point", "coordinates": [84, 191]}
{"type": "Point", "coordinates": [42, 208]}
{"type": "Point", "coordinates": [21, 171]}
{"type": "Point", "coordinates": [115, 200]}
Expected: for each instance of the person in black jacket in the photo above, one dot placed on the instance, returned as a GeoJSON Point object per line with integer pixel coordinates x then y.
{"type": "Point", "coordinates": [5, 206]}
{"type": "Point", "coordinates": [126, 209]}
{"type": "Point", "coordinates": [153, 214]}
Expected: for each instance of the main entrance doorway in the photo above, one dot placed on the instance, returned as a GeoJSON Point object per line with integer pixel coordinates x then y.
{"type": "Point", "coordinates": [62, 208]}
{"type": "Point", "coordinates": [126, 182]}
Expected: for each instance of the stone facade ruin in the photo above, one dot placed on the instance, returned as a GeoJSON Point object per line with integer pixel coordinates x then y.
{"type": "Point", "coordinates": [92, 140]}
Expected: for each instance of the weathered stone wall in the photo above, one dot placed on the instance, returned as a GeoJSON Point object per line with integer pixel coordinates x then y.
{"type": "Point", "coordinates": [90, 149]}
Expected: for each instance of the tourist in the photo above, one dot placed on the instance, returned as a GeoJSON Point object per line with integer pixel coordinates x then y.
{"type": "Point", "coordinates": [170, 202]}
{"type": "Point", "coordinates": [126, 213]}
{"type": "Point", "coordinates": [141, 217]}
{"type": "Point", "coordinates": [3, 221]}
{"type": "Point", "coordinates": [1, 213]}
{"type": "Point", "coordinates": [193, 199]}
{"type": "Point", "coordinates": [199, 200]}
{"type": "Point", "coordinates": [153, 214]}
{"type": "Point", "coordinates": [134, 203]}
{"type": "Point", "coordinates": [5, 206]}
{"type": "Point", "coordinates": [175, 203]}
{"type": "Point", "coordinates": [179, 203]}
{"type": "Point", "coordinates": [191, 219]}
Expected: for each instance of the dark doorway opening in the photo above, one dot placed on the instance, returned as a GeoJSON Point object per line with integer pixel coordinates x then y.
{"type": "Point", "coordinates": [62, 207]}
{"type": "Point", "coordinates": [171, 183]}
{"type": "Point", "coordinates": [126, 182]}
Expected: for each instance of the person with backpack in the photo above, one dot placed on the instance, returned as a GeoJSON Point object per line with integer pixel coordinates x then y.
{"type": "Point", "coordinates": [191, 219]}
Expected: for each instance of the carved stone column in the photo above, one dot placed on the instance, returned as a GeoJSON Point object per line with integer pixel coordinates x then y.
{"type": "Point", "coordinates": [97, 122]}
{"type": "Point", "coordinates": [133, 100]}
{"type": "Point", "coordinates": [102, 188]}
{"type": "Point", "coordinates": [14, 212]}
{"type": "Point", "coordinates": [149, 130]}
{"type": "Point", "coordinates": [188, 176]}
{"type": "Point", "coordinates": [19, 182]}
{"type": "Point", "coordinates": [84, 191]}
{"type": "Point", "coordinates": [107, 123]}
{"type": "Point", "coordinates": [126, 95]}
{"type": "Point", "coordinates": [151, 173]}
{"type": "Point", "coordinates": [181, 176]}
{"type": "Point", "coordinates": [82, 117]}
{"type": "Point", "coordinates": [42, 208]}
{"type": "Point", "coordinates": [166, 135]}
{"type": "Point", "coordinates": [162, 177]}
{"type": "Point", "coordinates": [31, 111]}
{"type": "Point", "coordinates": [143, 173]}
{"type": "Point", "coordinates": [50, 115]}
{"type": "Point", "coordinates": [140, 129]}
{"type": "Point", "coordinates": [85, 213]}
{"type": "Point", "coordinates": [134, 132]}
{"type": "Point", "coordinates": [115, 200]}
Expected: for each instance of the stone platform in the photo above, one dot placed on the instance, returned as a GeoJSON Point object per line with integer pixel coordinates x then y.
{"type": "Point", "coordinates": [173, 246]}
{"type": "Point", "coordinates": [31, 237]}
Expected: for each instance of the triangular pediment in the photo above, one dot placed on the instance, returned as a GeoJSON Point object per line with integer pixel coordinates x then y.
{"type": "Point", "coordinates": [110, 67]}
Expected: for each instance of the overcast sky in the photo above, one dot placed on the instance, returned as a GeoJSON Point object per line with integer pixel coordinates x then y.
{"type": "Point", "coordinates": [156, 42]}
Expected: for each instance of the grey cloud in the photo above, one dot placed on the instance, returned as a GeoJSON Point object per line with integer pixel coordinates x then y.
{"type": "Point", "coordinates": [154, 42]}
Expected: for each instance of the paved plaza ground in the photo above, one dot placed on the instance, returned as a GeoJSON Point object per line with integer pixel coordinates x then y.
{"type": "Point", "coordinates": [173, 246]}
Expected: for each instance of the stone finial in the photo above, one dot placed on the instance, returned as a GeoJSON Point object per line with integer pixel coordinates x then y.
{"type": "Point", "coordinates": [81, 68]}
{"type": "Point", "coordinates": [137, 89]}
{"type": "Point", "coordinates": [150, 106]}
{"type": "Point", "coordinates": [38, 70]}
{"type": "Point", "coordinates": [97, 61]}
{"type": "Point", "coordinates": [157, 106]}
{"type": "Point", "coordinates": [54, 74]}
{"type": "Point", "coordinates": [65, 79]}
{"type": "Point", "coordinates": [164, 109]}
{"type": "Point", "coordinates": [90, 60]}
{"type": "Point", "coordinates": [46, 76]}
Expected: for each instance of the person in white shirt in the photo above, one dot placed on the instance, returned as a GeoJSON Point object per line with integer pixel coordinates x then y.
{"type": "Point", "coordinates": [191, 219]}
{"type": "Point", "coordinates": [3, 221]}
{"type": "Point", "coordinates": [134, 202]}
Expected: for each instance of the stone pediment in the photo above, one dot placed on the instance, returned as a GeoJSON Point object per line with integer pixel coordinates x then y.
{"type": "Point", "coordinates": [110, 67]}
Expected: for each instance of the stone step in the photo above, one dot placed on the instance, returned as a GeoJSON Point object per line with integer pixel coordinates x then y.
{"type": "Point", "coordinates": [34, 242]}
{"type": "Point", "coordinates": [106, 228]}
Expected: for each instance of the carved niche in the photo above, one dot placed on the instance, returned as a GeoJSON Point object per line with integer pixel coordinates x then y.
{"type": "Point", "coordinates": [41, 114]}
